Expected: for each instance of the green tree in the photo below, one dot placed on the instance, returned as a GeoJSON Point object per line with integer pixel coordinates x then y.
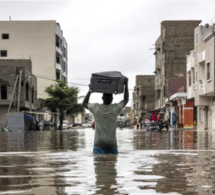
{"type": "Point", "coordinates": [62, 99]}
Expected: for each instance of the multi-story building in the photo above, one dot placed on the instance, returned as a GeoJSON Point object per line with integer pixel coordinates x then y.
{"type": "Point", "coordinates": [174, 43]}
{"type": "Point", "coordinates": [144, 95]}
{"type": "Point", "coordinates": [200, 76]}
{"type": "Point", "coordinates": [17, 93]}
{"type": "Point", "coordinates": [40, 41]}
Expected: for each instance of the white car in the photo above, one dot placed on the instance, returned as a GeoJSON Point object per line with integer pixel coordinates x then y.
{"type": "Point", "coordinates": [65, 124]}
{"type": "Point", "coordinates": [86, 125]}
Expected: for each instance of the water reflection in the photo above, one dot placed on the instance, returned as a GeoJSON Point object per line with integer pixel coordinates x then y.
{"type": "Point", "coordinates": [168, 140]}
{"type": "Point", "coordinates": [61, 162]}
{"type": "Point", "coordinates": [105, 173]}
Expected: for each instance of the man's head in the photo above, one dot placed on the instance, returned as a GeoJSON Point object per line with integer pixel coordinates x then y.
{"type": "Point", "coordinates": [107, 98]}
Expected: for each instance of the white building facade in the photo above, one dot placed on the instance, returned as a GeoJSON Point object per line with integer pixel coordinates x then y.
{"type": "Point", "coordinates": [200, 76]}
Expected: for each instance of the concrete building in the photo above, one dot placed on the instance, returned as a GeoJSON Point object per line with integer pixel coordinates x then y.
{"type": "Point", "coordinates": [174, 43]}
{"type": "Point", "coordinates": [42, 42]}
{"type": "Point", "coordinates": [15, 94]}
{"type": "Point", "coordinates": [200, 76]}
{"type": "Point", "coordinates": [143, 99]}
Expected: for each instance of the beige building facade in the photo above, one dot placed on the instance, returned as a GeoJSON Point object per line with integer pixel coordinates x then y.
{"type": "Point", "coordinates": [174, 43]}
{"type": "Point", "coordinates": [200, 76]}
{"type": "Point", "coordinates": [42, 42]}
{"type": "Point", "coordinates": [143, 99]}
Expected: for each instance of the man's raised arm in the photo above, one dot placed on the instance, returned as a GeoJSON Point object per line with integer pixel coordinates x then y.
{"type": "Point", "coordinates": [86, 99]}
{"type": "Point", "coordinates": [126, 93]}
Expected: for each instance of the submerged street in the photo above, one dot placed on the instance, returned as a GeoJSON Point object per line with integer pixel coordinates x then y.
{"type": "Point", "coordinates": [61, 162]}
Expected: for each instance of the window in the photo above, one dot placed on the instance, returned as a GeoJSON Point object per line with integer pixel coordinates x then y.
{"type": "Point", "coordinates": [58, 59]}
{"type": "Point", "coordinates": [163, 47]}
{"type": "Point", "coordinates": [57, 41]}
{"type": "Point", "coordinates": [158, 94]}
{"type": "Point", "coordinates": [27, 92]}
{"type": "Point", "coordinates": [196, 77]}
{"type": "Point", "coordinates": [201, 114]}
{"type": "Point", "coordinates": [193, 75]}
{"type": "Point", "coordinates": [3, 53]}
{"type": "Point", "coordinates": [196, 41]}
{"type": "Point", "coordinates": [57, 75]}
{"type": "Point", "coordinates": [5, 36]}
{"type": "Point", "coordinates": [189, 75]}
{"type": "Point", "coordinates": [208, 71]}
{"type": "Point", "coordinates": [32, 96]}
{"type": "Point", "coordinates": [3, 92]}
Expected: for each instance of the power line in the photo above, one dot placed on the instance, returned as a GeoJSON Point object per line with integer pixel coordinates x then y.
{"type": "Point", "coordinates": [86, 85]}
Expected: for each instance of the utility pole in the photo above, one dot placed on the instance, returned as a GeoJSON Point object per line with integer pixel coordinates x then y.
{"type": "Point", "coordinates": [11, 99]}
{"type": "Point", "coordinates": [31, 94]}
{"type": "Point", "coordinates": [19, 90]}
{"type": "Point", "coordinates": [14, 87]}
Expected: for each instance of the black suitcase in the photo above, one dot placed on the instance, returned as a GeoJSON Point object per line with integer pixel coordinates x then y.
{"type": "Point", "coordinates": [107, 82]}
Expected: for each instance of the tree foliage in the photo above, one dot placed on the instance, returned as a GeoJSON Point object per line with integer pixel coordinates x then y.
{"type": "Point", "coordinates": [62, 99]}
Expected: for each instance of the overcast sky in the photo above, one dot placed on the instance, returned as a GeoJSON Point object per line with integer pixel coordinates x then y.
{"type": "Point", "coordinates": [107, 35]}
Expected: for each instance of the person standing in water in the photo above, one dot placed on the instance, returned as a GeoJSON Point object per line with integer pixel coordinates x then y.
{"type": "Point", "coordinates": [105, 115]}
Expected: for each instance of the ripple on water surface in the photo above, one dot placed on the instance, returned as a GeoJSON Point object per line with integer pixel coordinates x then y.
{"type": "Point", "coordinates": [61, 162]}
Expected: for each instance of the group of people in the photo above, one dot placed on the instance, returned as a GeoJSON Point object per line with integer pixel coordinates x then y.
{"type": "Point", "coordinates": [154, 118]}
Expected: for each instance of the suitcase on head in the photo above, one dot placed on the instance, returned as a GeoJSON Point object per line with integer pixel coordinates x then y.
{"type": "Point", "coordinates": [107, 82]}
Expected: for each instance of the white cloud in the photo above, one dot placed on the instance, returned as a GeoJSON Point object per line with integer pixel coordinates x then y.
{"type": "Point", "coordinates": [109, 34]}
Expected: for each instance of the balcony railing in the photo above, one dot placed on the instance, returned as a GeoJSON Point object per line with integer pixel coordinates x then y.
{"type": "Point", "coordinates": [201, 56]}
{"type": "Point", "coordinates": [58, 66]}
{"type": "Point", "coordinates": [201, 86]}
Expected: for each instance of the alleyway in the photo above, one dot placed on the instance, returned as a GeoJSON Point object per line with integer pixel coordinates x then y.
{"type": "Point", "coordinates": [49, 162]}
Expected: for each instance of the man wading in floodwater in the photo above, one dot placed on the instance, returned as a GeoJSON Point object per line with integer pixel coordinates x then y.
{"type": "Point", "coordinates": [105, 115]}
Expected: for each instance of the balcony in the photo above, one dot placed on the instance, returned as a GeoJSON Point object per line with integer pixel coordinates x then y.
{"type": "Point", "coordinates": [191, 92]}
{"type": "Point", "coordinates": [64, 74]}
{"type": "Point", "coordinates": [195, 86]}
{"type": "Point", "coordinates": [201, 87]}
{"type": "Point", "coordinates": [58, 50]}
{"type": "Point", "coordinates": [58, 66]}
{"type": "Point", "coordinates": [201, 57]}
{"type": "Point", "coordinates": [64, 59]}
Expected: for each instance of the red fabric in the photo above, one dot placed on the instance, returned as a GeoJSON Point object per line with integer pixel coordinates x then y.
{"type": "Point", "coordinates": [153, 118]}
{"type": "Point", "coordinates": [158, 117]}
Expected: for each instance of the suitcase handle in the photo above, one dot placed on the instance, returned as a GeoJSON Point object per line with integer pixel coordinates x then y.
{"type": "Point", "coordinates": [103, 80]}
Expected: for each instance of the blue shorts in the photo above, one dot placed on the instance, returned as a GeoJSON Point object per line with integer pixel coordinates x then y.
{"type": "Point", "coordinates": [98, 150]}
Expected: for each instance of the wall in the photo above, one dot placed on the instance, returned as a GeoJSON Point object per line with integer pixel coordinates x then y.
{"type": "Point", "coordinates": [177, 41]}
{"type": "Point", "coordinates": [144, 94]}
{"type": "Point", "coordinates": [33, 40]}
{"type": "Point", "coordinates": [9, 69]}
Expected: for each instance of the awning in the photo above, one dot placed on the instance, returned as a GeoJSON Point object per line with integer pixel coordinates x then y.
{"type": "Point", "coordinates": [153, 110]}
{"type": "Point", "coordinates": [39, 112]}
{"type": "Point", "coordinates": [29, 117]}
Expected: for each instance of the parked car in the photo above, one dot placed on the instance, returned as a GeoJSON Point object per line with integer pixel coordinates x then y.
{"type": "Point", "coordinates": [65, 124]}
{"type": "Point", "coordinates": [76, 126]}
{"type": "Point", "coordinates": [4, 129]}
{"type": "Point", "coordinates": [86, 125]}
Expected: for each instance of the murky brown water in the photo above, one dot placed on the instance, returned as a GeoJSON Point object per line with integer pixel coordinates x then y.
{"type": "Point", "coordinates": [49, 162]}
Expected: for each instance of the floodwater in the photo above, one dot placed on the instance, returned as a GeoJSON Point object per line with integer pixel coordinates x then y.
{"type": "Point", "coordinates": [61, 162]}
